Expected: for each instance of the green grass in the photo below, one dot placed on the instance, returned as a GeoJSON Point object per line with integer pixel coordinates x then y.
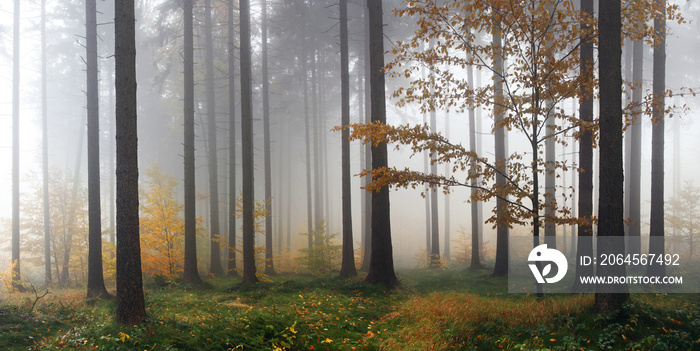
{"type": "Point", "coordinates": [434, 310]}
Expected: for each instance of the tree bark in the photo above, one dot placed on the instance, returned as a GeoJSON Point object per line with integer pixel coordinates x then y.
{"type": "Point", "coordinates": [367, 151]}
{"type": "Point", "coordinates": [381, 266]}
{"type": "Point", "coordinates": [95, 284]}
{"type": "Point", "coordinates": [190, 272]}
{"type": "Point", "coordinates": [45, 151]}
{"type": "Point", "coordinates": [584, 245]}
{"type": "Point", "coordinates": [269, 265]}
{"type": "Point", "coordinates": [247, 143]}
{"type": "Point", "coordinates": [347, 268]}
{"type": "Point", "coordinates": [500, 155]}
{"type": "Point", "coordinates": [231, 265]}
{"type": "Point", "coordinates": [656, 218]}
{"type": "Point", "coordinates": [611, 198]}
{"type": "Point", "coordinates": [214, 225]}
{"type": "Point", "coordinates": [130, 308]}
{"type": "Point", "coordinates": [634, 244]}
{"type": "Point", "coordinates": [15, 147]}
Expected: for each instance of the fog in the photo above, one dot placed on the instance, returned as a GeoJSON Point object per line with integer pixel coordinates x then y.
{"type": "Point", "coordinates": [160, 98]}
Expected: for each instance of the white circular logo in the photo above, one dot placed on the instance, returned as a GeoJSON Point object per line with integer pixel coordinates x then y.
{"type": "Point", "coordinates": [542, 254]}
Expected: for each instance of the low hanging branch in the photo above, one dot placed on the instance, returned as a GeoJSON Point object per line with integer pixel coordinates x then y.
{"type": "Point", "coordinates": [516, 191]}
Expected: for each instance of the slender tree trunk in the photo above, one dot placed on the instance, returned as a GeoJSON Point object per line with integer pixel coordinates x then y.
{"type": "Point", "coordinates": [247, 141]}
{"type": "Point", "coordinates": [584, 245]}
{"type": "Point", "coordinates": [190, 272]}
{"type": "Point", "coordinates": [434, 221]}
{"type": "Point", "coordinates": [501, 267]}
{"type": "Point", "coordinates": [474, 209]}
{"type": "Point", "coordinates": [307, 140]}
{"type": "Point", "coordinates": [656, 218]}
{"type": "Point", "coordinates": [45, 151]}
{"type": "Point", "coordinates": [214, 224]}
{"type": "Point", "coordinates": [231, 265]}
{"type": "Point", "coordinates": [130, 308]}
{"type": "Point", "coordinates": [95, 284]}
{"type": "Point", "coordinates": [447, 196]}
{"type": "Point", "coordinates": [15, 147]}
{"type": "Point", "coordinates": [634, 244]}
{"type": "Point", "coordinates": [550, 229]}
{"type": "Point", "coordinates": [288, 226]}
{"type": "Point", "coordinates": [269, 266]}
{"type": "Point", "coordinates": [381, 266]}
{"type": "Point", "coordinates": [347, 268]}
{"type": "Point", "coordinates": [611, 207]}
{"type": "Point", "coordinates": [318, 188]}
{"type": "Point", "coordinates": [367, 150]}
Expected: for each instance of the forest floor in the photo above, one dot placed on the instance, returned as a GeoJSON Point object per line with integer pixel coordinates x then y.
{"type": "Point", "coordinates": [433, 310]}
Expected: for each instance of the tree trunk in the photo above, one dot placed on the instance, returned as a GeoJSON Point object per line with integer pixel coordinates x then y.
{"type": "Point", "coordinates": [584, 245]}
{"type": "Point", "coordinates": [45, 151]}
{"type": "Point", "coordinates": [381, 266]}
{"type": "Point", "coordinates": [367, 151]}
{"type": "Point", "coordinates": [307, 140]}
{"type": "Point", "coordinates": [68, 243]}
{"type": "Point", "coordinates": [95, 284]}
{"type": "Point", "coordinates": [434, 221]}
{"type": "Point", "coordinates": [232, 191]}
{"type": "Point", "coordinates": [611, 206]}
{"type": "Point", "coordinates": [634, 244]}
{"type": "Point", "coordinates": [130, 308]}
{"type": "Point", "coordinates": [15, 147]}
{"type": "Point", "coordinates": [501, 267]}
{"type": "Point", "coordinates": [269, 266]}
{"type": "Point", "coordinates": [247, 143]}
{"type": "Point", "coordinates": [214, 225]}
{"type": "Point", "coordinates": [347, 268]}
{"type": "Point", "coordinates": [656, 218]}
{"type": "Point", "coordinates": [318, 182]}
{"type": "Point", "coordinates": [447, 196]}
{"type": "Point", "coordinates": [190, 273]}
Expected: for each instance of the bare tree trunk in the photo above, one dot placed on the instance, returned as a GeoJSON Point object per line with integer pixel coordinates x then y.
{"type": "Point", "coordinates": [214, 225]}
{"type": "Point", "coordinates": [447, 196]}
{"type": "Point", "coordinates": [434, 221]}
{"type": "Point", "coordinates": [307, 140]}
{"type": "Point", "coordinates": [381, 266]}
{"type": "Point", "coordinates": [15, 147]}
{"type": "Point", "coordinates": [584, 245]}
{"type": "Point", "coordinates": [318, 188]}
{"type": "Point", "coordinates": [367, 150]}
{"type": "Point", "coordinates": [232, 191]}
{"type": "Point", "coordinates": [611, 208]}
{"type": "Point", "coordinates": [95, 284]}
{"type": "Point", "coordinates": [247, 142]}
{"type": "Point", "coordinates": [500, 154]}
{"type": "Point", "coordinates": [656, 218]}
{"type": "Point", "coordinates": [634, 244]}
{"type": "Point", "coordinates": [45, 151]}
{"type": "Point", "coordinates": [130, 308]}
{"type": "Point", "coordinates": [347, 268]}
{"type": "Point", "coordinates": [190, 272]}
{"type": "Point", "coordinates": [269, 266]}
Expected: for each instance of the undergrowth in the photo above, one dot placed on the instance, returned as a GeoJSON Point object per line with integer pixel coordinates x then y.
{"type": "Point", "coordinates": [437, 310]}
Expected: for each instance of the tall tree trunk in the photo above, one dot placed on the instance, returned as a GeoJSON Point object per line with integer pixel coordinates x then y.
{"type": "Point", "coordinates": [232, 191]}
{"type": "Point", "coordinates": [550, 229]}
{"type": "Point", "coordinates": [45, 151]}
{"type": "Point", "coordinates": [247, 142]}
{"type": "Point", "coordinates": [381, 265]}
{"type": "Point", "coordinates": [307, 141]}
{"type": "Point", "coordinates": [611, 207]}
{"type": "Point", "coordinates": [447, 196]}
{"type": "Point", "coordinates": [501, 267]}
{"type": "Point", "coordinates": [367, 151]}
{"type": "Point", "coordinates": [214, 224]}
{"type": "Point", "coordinates": [584, 245]}
{"type": "Point", "coordinates": [656, 218]}
{"type": "Point", "coordinates": [190, 273]}
{"type": "Point", "coordinates": [634, 244]}
{"type": "Point", "coordinates": [95, 284]}
{"type": "Point", "coordinates": [269, 266]}
{"type": "Point", "coordinates": [318, 183]}
{"type": "Point", "coordinates": [434, 221]}
{"type": "Point", "coordinates": [130, 308]}
{"type": "Point", "coordinates": [15, 147]}
{"type": "Point", "coordinates": [288, 226]}
{"type": "Point", "coordinates": [347, 268]}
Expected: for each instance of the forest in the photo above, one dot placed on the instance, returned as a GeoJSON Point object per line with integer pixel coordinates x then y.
{"type": "Point", "coordinates": [349, 175]}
